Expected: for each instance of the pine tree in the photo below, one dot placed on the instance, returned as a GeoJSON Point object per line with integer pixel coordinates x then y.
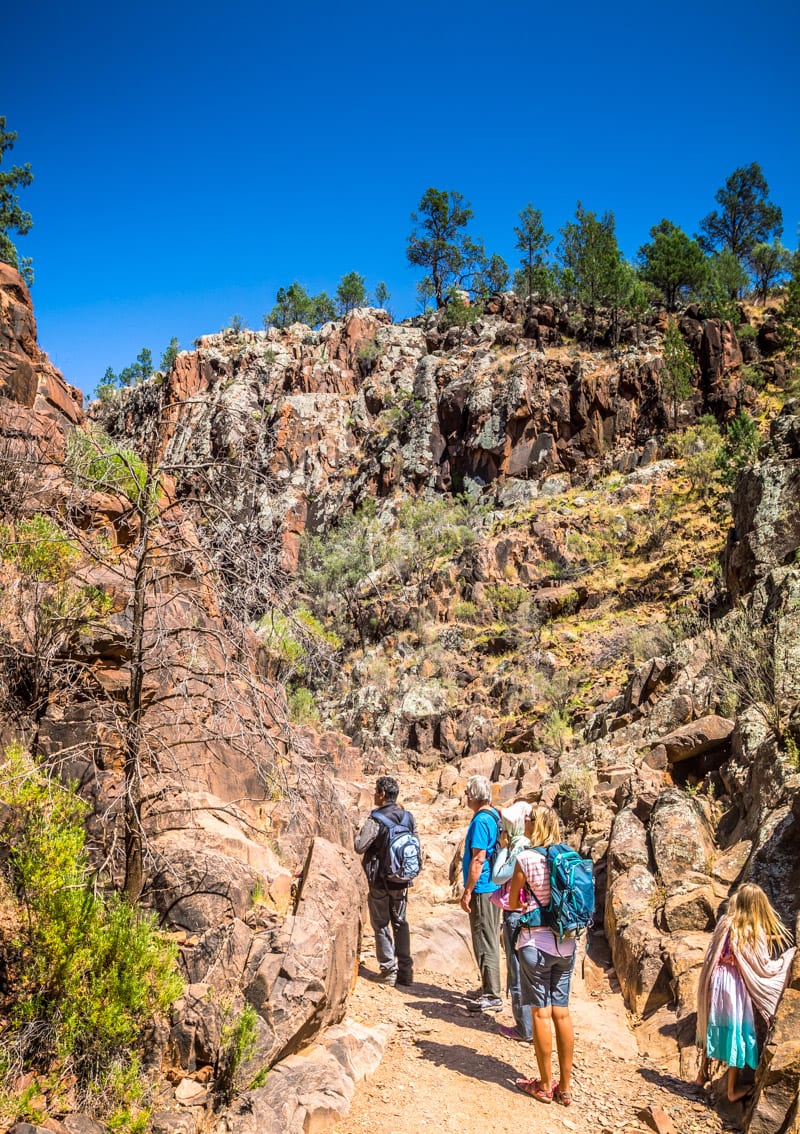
{"type": "Point", "coordinates": [12, 217]}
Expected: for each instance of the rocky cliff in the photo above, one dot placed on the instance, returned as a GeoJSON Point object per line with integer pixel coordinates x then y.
{"type": "Point", "coordinates": [120, 672]}
{"type": "Point", "coordinates": [580, 647]}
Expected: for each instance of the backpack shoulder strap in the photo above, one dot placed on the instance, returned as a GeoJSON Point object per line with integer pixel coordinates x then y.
{"type": "Point", "coordinates": [384, 820]}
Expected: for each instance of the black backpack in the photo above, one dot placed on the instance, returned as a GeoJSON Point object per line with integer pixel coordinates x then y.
{"type": "Point", "coordinates": [400, 858]}
{"type": "Point", "coordinates": [492, 854]}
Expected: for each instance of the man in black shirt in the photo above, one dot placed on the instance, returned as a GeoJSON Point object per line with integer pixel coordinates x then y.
{"type": "Point", "coordinates": [387, 901]}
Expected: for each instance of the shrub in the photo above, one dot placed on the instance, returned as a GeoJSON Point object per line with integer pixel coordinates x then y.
{"type": "Point", "coordinates": [557, 730]}
{"type": "Point", "coordinates": [91, 971]}
{"type": "Point", "coordinates": [459, 312]}
{"type": "Point", "coordinates": [466, 611]}
{"type": "Point", "coordinates": [700, 447]}
{"type": "Point", "coordinates": [743, 651]}
{"type": "Point", "coordinates": [740, 448]}
{"type": "Point", "coordinates": [650, 641]}
{"type": "Point", "coordinates": [368, 354]}
{"type": "Point", "coordinates": [576, 787]}
{"type": "Point", "coordinates": [39, 548]}
{"type": "Point", "coordinates": [302, 706]}
{"type": "Point", "coordinates": [96, 461]}
{"type": "Point", "coordinates": [753, 377]}
{"type": "Point", "coordinates": [299, 642]}
{"type": "Point", "coordinates": [504, 598]}
{"type": "Point", "coordinates": [237, 1045]}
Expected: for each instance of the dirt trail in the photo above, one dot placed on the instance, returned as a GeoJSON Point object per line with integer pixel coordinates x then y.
{"type": "Point", "coordinates": [447, 1070]}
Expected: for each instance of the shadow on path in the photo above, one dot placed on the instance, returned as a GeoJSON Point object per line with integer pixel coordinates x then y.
{"type": "Point", "coordinates": [436, 1003]}
{"type": "Point", "coordinates": [475, 1065]}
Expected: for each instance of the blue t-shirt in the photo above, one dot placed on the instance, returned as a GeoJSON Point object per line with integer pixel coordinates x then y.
{"type": "Point", "coordinates": [482, 835]}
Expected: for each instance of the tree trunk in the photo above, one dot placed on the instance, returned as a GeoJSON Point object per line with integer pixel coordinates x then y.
{"type": "Point", "coordinates": [134, 833]}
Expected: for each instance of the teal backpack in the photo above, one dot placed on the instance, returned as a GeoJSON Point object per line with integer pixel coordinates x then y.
{"type": "Point", "coordinates": [571, 906]}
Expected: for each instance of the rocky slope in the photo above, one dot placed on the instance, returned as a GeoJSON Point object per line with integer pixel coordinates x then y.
{"type": "Point", "coordinates": [581, 647]}
{"type": "Point", "coordinates": [246, 847]}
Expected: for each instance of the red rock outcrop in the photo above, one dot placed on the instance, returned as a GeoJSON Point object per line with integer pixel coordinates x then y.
{"type": "Point", "coordinates": [36, 404]}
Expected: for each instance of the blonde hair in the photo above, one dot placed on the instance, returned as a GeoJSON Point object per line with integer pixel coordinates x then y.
{"type": "Point", "coordinates": [546, 828]}
{"type": "Point", "coordinates": [752, 917]}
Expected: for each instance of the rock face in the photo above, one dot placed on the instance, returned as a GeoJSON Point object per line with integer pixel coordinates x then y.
{"type": "Point", "coordinates": [766, 514]}
{"type": "Point", "coordinates": [244, 834]}
{"type": "Point", "coordinates": [326, 417]}
{"type": "Point", "coordinates": [296, 970]}
{"type": "Point", "coordinates": [777, 1089]}
{"type": "Point", "coordinates": [35, 401]}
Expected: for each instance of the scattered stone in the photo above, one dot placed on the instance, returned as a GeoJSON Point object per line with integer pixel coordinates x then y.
{"type": "Point", "coordinates": [658, 1119]}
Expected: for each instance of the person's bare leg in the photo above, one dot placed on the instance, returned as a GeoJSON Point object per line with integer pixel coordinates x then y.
{"type": "Point", "coordinates": [543, 1044]}
{"type": "Point", "coordinates": [735, 1092]}
{"type": "Point", "coordinates": [702, 1072]}
{"type": "Point", "coordinates": [565, 1045]}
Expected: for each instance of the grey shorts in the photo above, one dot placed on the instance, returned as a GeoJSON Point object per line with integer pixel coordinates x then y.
{"type": "Point", "coordinates": [545, 977]}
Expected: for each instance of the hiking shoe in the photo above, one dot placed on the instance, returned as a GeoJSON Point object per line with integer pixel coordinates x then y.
{"type": "Point", "coordinates": [512, 1034]}
{"type": "Point", "coordinates": [487, 1003]}
{"type": "Point", "coordinates": [388, 978]}
{"type": "Point", "coordinates": [475, 994]}
{"type": "Point", "coordinates": [406, 981]}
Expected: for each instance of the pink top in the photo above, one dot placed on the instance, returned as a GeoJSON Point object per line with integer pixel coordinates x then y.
{"type": "Point", "coordinates": [537, 880]}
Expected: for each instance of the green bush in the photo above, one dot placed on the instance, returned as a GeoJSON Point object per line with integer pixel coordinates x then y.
{"type": "Point", "coordinates": [39, 548]}
{"type": "Point", "coordinates": [459, 312]}
{"type": "Point", "coordinates": [299, 641]}
{"type": "Point", "coordinates": [237, 1046]}
{"type": "Point", "coordinates": [96, 461]}
{"type": "Point", "coordinates": [466, 611]}
{"type": "Point", "coordinates": [740, 447]}
{"type": "Point", "coordinates": [557, 730]}
{"type": "Point", "coordinates": [743, 653]}
{"type": "Point", "coordinates": [504, 598]}
{"type": "Point", "coordinates": [302, 706]}
{"type": "Point", "coordinates": [700, 447]}
{"type": "Point", "coordinates": [91, 971]}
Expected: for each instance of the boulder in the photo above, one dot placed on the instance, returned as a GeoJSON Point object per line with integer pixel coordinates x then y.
{"type": "Point", "coordinates": [640, 968]}
{"type": "Point", "coordinates": [631, 898]}
{"type": "Point", "coordinates": [775, 1107]}
{"type": "Point", "coordinates": [691, 907]}
{"type": "Point", "coordinates": [310, 1091]}
{"type": "Point", "coordinates": [628, 845]}
{"type": "Point", "coordinates": [443, 944]}
{"type": "Point", "coordinates": [707, 734]}
{"type": "Point", "coordinates": [680, 838]}
{"type": "Point", "coordinates": [300, 976]}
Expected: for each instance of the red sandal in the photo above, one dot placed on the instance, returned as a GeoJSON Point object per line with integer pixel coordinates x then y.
{"type": "Point", "coordinates": [563, 1098]}
{"type": "Point", "coordinates": [534, 1088]}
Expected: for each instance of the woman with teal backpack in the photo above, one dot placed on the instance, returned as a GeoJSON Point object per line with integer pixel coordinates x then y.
{"type": "Point", "coordinates": [546, 964]}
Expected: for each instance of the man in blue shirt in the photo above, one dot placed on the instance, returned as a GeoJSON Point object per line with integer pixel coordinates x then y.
{"type": "Point", "coordinates": [484, 915]}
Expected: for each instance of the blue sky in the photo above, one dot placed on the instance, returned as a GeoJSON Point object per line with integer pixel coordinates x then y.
{"type": "Point", "coordinates": [190, 158]}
